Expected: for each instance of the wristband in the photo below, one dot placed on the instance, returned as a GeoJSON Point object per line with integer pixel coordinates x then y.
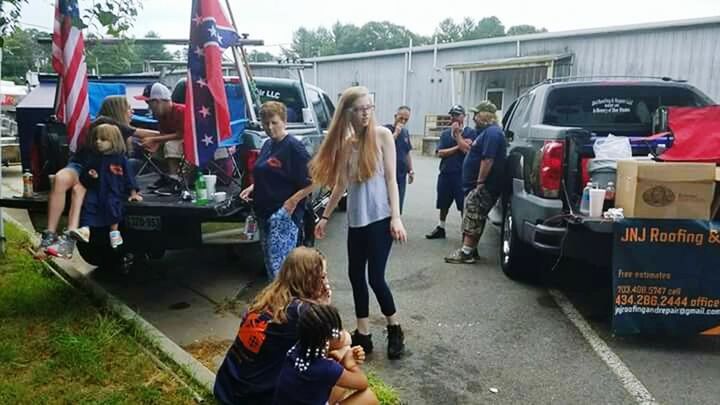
{"type": "Point", "coordinates": [324, 217]}
{"type": "Point", "coordinates": [412, 172]}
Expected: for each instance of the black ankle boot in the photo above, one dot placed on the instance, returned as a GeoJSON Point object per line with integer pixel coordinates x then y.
{"type": "Point", "coordinates": [358, 339]}
{"type": "Point", "coordinates": [396, 342]}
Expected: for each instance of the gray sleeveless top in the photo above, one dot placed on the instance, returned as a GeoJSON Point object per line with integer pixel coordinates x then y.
{"type": "Point", "coordinates": [367, 202]}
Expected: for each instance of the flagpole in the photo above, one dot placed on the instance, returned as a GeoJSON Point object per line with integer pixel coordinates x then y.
{"type": "Point", "coordinates": [2, 221]}
{"type": "Point", "coordinates": [244, 79]}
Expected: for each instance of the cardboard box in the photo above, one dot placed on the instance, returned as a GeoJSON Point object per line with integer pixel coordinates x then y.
{"type": "Point", "coordinates": [647, 189]}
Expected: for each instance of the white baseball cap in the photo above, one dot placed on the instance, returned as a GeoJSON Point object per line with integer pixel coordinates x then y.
{"type": "Point", "coordinates": [155, 91]}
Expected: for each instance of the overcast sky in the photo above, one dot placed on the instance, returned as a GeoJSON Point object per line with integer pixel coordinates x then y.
{"type": "Point", "coordinates": [275, 20]}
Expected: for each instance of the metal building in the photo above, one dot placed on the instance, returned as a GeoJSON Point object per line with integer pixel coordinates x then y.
{"type": "Point", "coordinates": [431, 78]}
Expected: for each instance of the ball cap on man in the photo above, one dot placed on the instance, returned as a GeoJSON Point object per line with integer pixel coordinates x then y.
{"type": "Point", "coordinates": [457, 109]}
{"type": "Point", "coordinates": [155, 91]}
{"type": "Point", "coordinates": [484, 106]}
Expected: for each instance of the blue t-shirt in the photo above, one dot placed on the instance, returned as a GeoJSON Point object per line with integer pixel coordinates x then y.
{"type": "Point", "coordinates": [489, 144]}
{"type": "Point", "coordinates": [253, 363]}
{"type": "Point", "coordinates": [309, 387]}
{"type": "Point", "coordinates": [453, 164]}
{"type": "Point", "coordinates": [402, 149]}
{"type": "Point", "coordinates": [281, 170]}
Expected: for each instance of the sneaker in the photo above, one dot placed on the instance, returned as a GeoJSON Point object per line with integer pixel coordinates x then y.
{"type": "Point", "coordinates": [437, 233]}
{"type": "Point", "coordinates": [115, 239]}
{"type": "Point", "coordinates": [47, 239]}
{"type": "Point", "coordinates": [161, 182]}
{"type": "Point", "coordinates": [460, 257]}
{"type": "Point", "coordinates": [396, 342]}
{"type": "Point", "coordinates": [170, 188]}
{"type": "Point", "coordinates": [358, 339]}
{"type": "Point", "coordinates": [80, 234]}
{"type": "Point", "coordinates": [63, 248]}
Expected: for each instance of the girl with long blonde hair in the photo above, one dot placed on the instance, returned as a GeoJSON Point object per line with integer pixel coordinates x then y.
{"type": "Point", "coordinates": [358, 156]}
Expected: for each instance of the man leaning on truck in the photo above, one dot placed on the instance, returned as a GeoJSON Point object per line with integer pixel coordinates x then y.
{"type": "Point", "coordinates": [482, 177]}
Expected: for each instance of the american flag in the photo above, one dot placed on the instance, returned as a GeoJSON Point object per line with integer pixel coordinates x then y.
{"type": "Point", "coordinates": [209, 122]}
{"type": "Point", "coordinates": [68, 60]}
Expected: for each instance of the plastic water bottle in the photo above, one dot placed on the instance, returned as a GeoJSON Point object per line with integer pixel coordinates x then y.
{"type": "Point", "coordinates": [585, 200]}
{"type": "Point", "coordinates": [250, 227]}
{"type": "Point", "coordinates": [201, 197]}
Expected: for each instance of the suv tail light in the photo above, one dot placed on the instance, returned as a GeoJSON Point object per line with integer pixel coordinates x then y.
{"type": "Point", "coordinates": [252, 156]}
{"type": "Point", "coordinates": [551, 168]}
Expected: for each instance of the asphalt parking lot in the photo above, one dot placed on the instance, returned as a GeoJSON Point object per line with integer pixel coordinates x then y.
{"type": "Point", "coordinates": [469, 329]}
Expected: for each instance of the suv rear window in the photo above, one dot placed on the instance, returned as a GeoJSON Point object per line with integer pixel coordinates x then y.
{"type": "Point", "coordinates": [288, 95]}
{"type": "Point", "coordinates": [618, 106]}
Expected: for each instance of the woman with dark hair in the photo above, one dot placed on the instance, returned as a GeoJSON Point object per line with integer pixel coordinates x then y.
{"type": "Point", "coordinates": [359, 156]}
{"type": "Point", "coordinates": [114, 110]}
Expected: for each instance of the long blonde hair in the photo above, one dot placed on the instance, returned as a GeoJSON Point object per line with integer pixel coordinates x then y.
{"type": "Point", "coordinates": [109, 132]}
{"type": "Point", "coordinates": [331, 160]}
{"type": "Point", "coordinates": [115, 107]}
{"type": "Point", "coordinates": [301, 276]}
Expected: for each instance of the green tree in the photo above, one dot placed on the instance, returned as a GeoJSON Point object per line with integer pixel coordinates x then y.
{"type": "Point", "coordinates": [448, 31]}
{"type": "Point", "coordinates": [487, 27]}
{"type": "Point", "coordinates": [375, 36]}
{"type": "Point", "coordinates": [308, 43]}
{"type": "Point", "coordinates": [346, 37]}
{"type": "Point", "coordinates": [117, 58]}
{"type": "Point", "coordinates": [22, 53]}
{"type": "Point", "coordinates": [257, 56]}
{"type": "Point", "coordinates": [524, 29]}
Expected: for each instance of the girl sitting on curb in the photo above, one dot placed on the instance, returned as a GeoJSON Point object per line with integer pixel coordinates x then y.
{"type": "Point", "coordinates": [322, 366]}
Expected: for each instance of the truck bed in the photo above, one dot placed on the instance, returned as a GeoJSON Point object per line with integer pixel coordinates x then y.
{"type": "Point", "coordinates": [154, 204]}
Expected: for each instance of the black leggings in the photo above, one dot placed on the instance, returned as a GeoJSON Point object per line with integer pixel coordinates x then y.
{"type": "Point", "coordinates": [370, 245]}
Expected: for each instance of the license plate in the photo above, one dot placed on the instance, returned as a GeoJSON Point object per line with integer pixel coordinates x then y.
{"type": "Point", "coordinates": [143, 222]}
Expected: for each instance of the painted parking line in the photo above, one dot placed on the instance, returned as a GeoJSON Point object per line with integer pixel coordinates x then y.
{"type": "Point", "coordinates": [631, 383]}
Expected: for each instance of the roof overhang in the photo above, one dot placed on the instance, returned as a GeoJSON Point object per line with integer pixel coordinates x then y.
{"type": "Point", "coordinates": [520, 62]}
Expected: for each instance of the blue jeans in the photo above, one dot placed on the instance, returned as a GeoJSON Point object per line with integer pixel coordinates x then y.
{"type": "Point", "coordinates": [368, 250]}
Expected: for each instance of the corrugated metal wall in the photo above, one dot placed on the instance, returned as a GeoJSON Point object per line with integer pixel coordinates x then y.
{"type": "Point", "coordinates": [691, 53]}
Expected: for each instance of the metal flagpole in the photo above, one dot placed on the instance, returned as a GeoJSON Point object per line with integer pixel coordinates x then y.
{"type": "Point", "coordinates": [244, 79]}
{"type": "Point", "coordinates": [2, 222]}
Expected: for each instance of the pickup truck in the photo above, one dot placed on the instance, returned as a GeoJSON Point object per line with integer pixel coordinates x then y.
{"type": "Point", "coordinates": [161, 223]}
{"type": "Point", "coordinates": [550, 131]}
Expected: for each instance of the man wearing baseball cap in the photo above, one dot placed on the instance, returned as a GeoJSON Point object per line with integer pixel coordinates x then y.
{"type": "Point", "coordinates": [454, 143]}
{"type": "Point", "coordinates": [171, 121]}
{"type": "Point", "coordinates": [482, 180]}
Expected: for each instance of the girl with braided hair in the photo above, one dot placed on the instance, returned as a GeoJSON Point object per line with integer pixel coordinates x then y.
{"type": "Point", "coordinates": [269, 328]}
{"type": "Point", "coordinates": [321, 367]}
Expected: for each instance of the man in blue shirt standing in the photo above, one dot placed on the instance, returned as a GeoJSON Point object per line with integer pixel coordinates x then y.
{"type": "Point", "coordinates": [453, 145]}
{"type": "Point", "coordinates": [404, 165]}
{"type": "Point", "coordinates": [482, 179]}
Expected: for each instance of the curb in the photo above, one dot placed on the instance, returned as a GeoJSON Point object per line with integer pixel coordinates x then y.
{"type": "Point", "coordinates": [197, 370]}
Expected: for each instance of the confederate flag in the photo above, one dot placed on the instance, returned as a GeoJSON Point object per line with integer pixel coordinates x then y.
{"type": "Point", "coordinates": [207, 118]}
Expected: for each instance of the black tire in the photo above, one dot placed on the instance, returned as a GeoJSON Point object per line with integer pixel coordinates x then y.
{"type": "Point", "coordinates": [518, 260]}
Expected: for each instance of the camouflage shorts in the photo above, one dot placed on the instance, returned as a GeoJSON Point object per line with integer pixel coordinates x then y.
{"type": "Point", "coordinates": [477, 206]}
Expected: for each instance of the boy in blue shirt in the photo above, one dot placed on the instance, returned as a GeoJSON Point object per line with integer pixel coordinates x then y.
{"type": "Point", "coordinates": [482, 180]}
{"type": "Point", "coordinates": [404, 165]}
{"type": "Point", "coordinates": [453, 145]}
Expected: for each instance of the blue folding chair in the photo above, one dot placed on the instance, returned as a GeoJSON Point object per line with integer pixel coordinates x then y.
{"type": "Point", "coordinates": [238, 121]}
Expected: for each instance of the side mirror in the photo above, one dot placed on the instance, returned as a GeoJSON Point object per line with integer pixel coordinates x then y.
{"type": "Point", "coordinates": [308, 117]}
{"type": "Point", "coordinates": [509, 135]}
